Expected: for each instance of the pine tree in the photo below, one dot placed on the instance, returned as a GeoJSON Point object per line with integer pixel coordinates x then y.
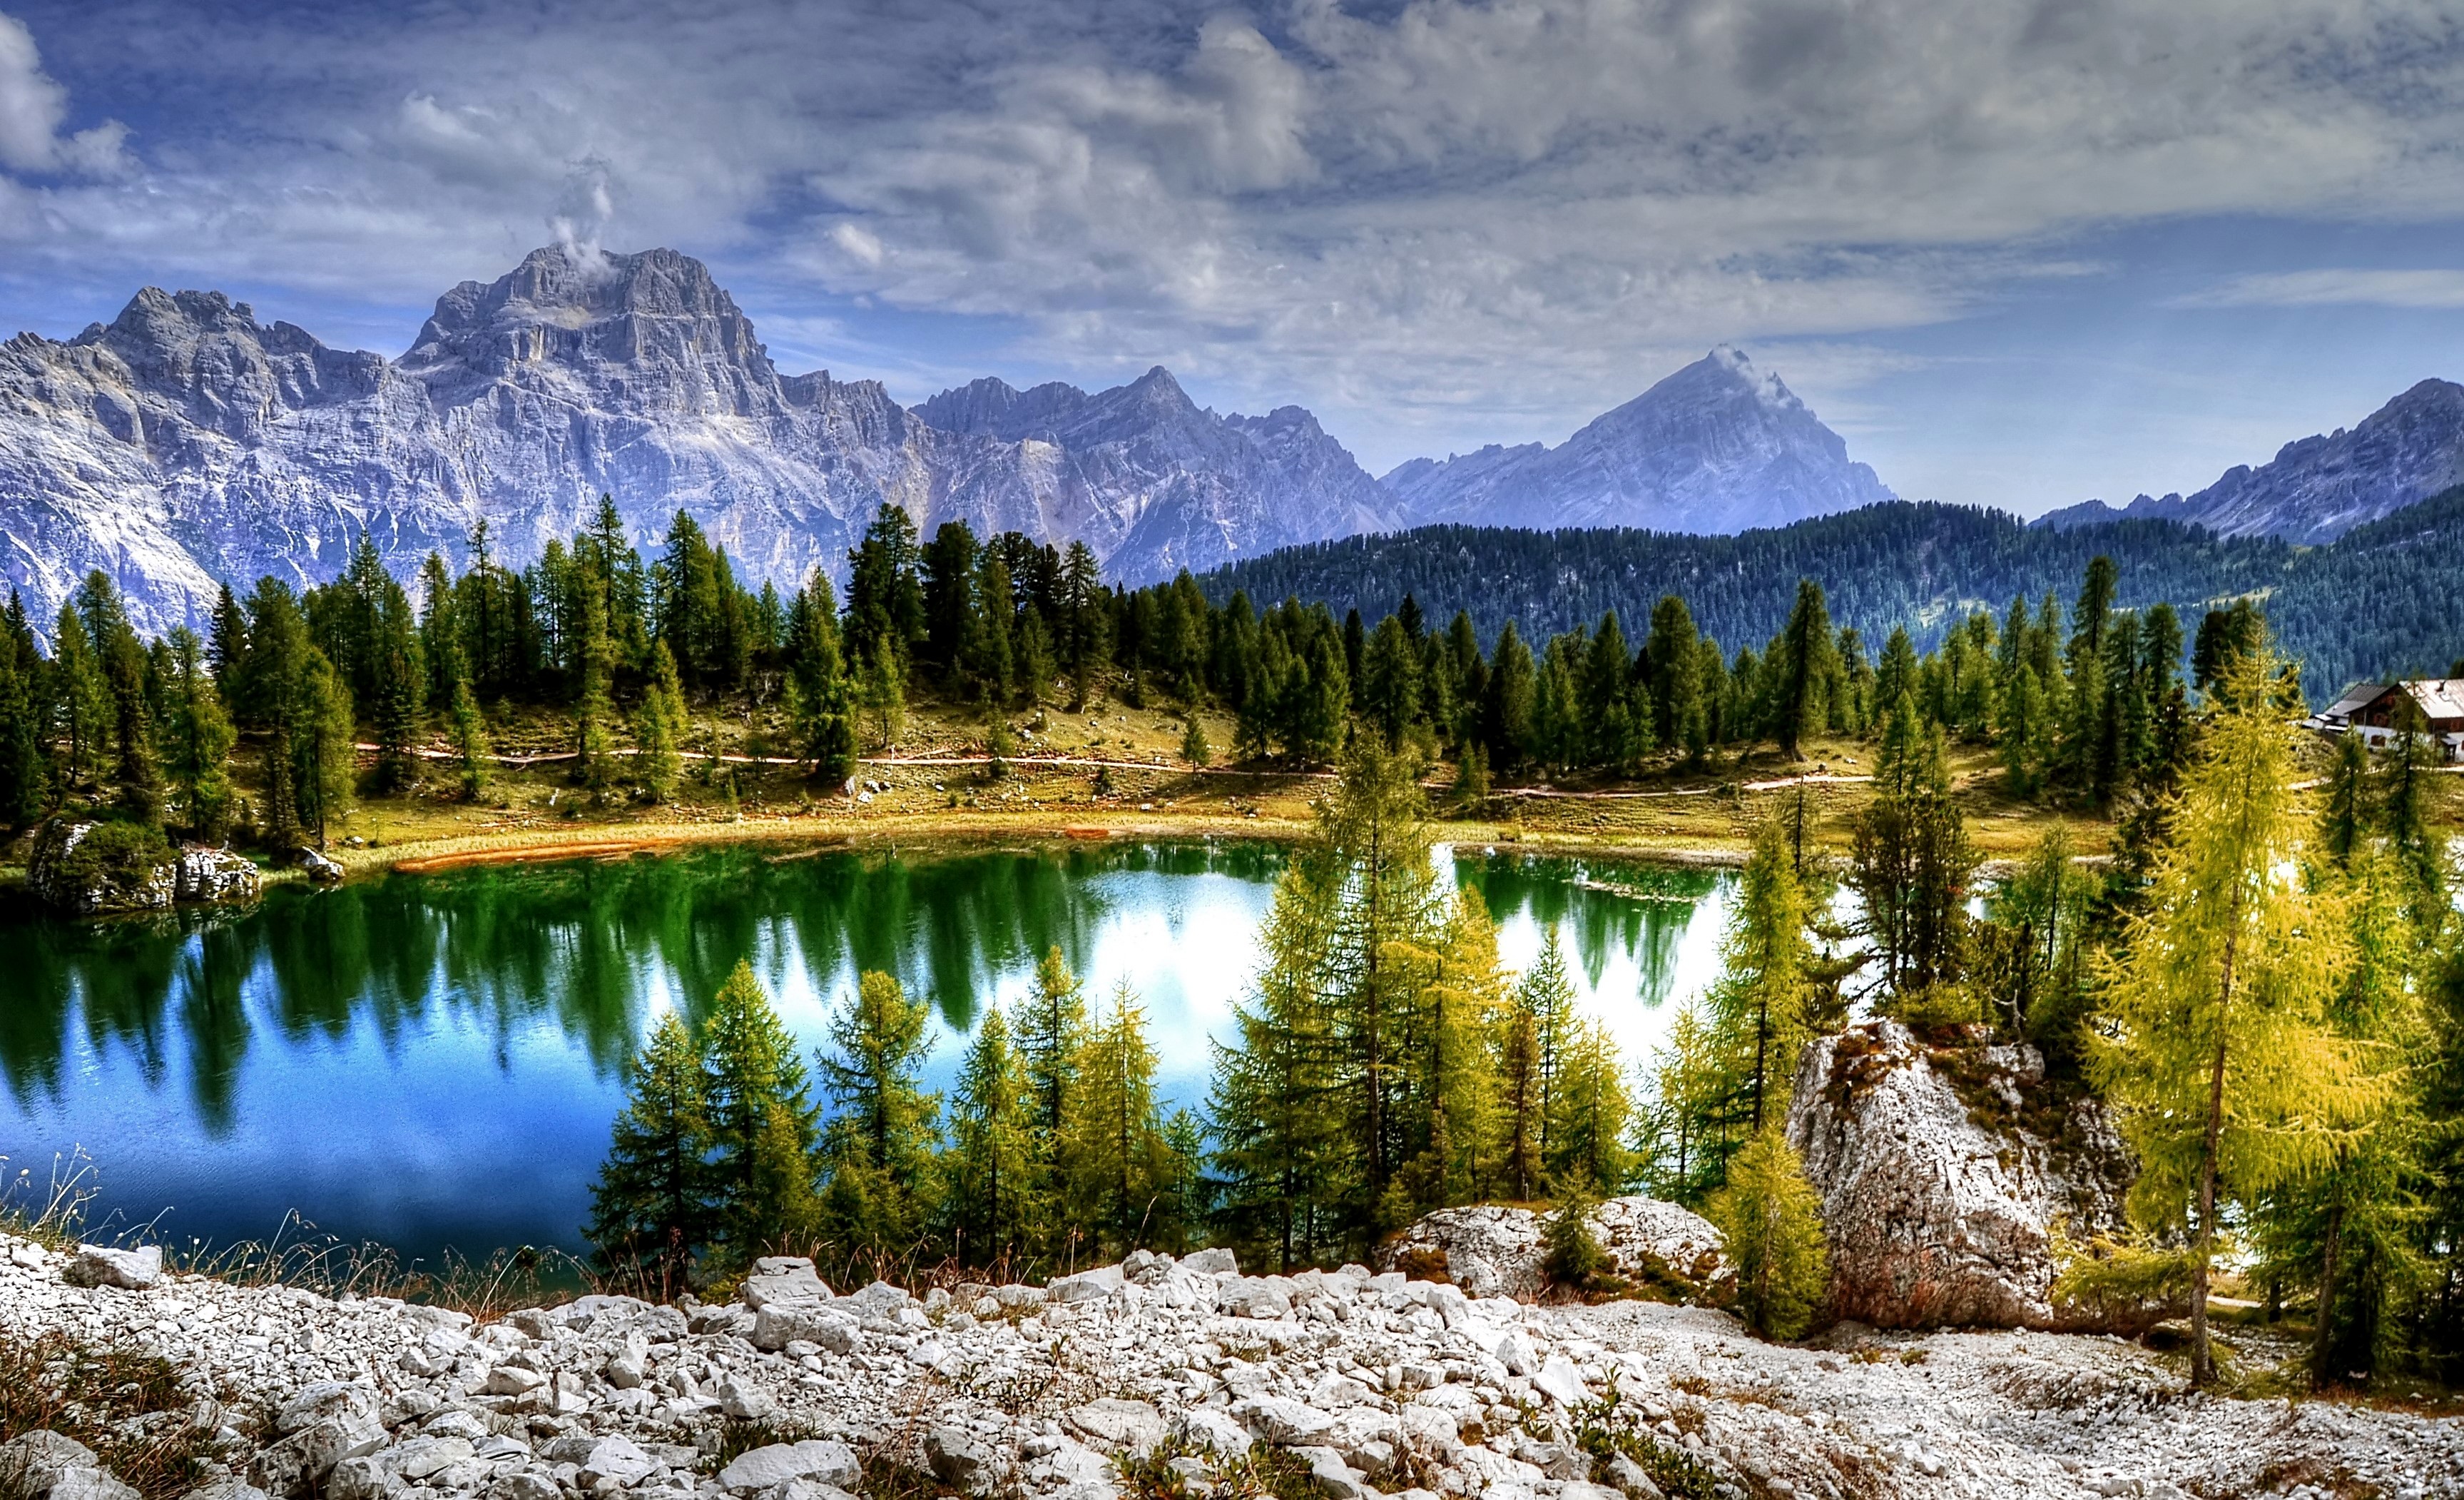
{"type": "Point", "coordinates": [1676, 676]}
{"type": "Point", "coordinates": [2346, 819]}
{"type": "Point", "coordinates": [993, 1170]}
{"type": "Point", "coordinates": [1521, 1117]}
{"type": "Point", "coordinates": [1282, 1154]}
{"type": "Point", "coordinates": [199, 741]}
{"type": "Point", "coordinates": [760, 1116]}
{"type": "Point", "coordinates": [1803, 660]}
{"type": "Point", "coordinates": [22, 782]}
{"type": "Point", "coordinates": [1194, 746]}
{"type": "Point", "coordinates": [1506, 717]}
{"type": "Point", "coordinates": [469, 737]}
{"type": "Point", "coordinates": [323, 747]}
{"type": "Point", "coordinates": [657, 727]}
{"type": "Point", "coordinates": [879, 1144]}
{"type": "Point", "coordinates": [593, 766]}
{"type": "Point", "coordinates": [82, 694]}
{"type": "Point", "coordinates": [1770, 1219]}
{"type": "Point", "coordinates": [2219, 1060]}
{"type": "Point", "coordinates": [652, 1209]}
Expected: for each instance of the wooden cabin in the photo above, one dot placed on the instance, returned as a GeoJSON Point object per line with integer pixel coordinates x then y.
{"type": "Point", "coordinates": [2381, 711]}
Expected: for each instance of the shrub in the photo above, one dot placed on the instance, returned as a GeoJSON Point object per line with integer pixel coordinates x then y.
{"type": "Point", "coordinates": [1773, 1220]}
{"type": "Point", "coordinates": [1572, 1254]}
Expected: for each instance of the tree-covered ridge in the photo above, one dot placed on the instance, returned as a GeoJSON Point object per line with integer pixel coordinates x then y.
{"type": "Point", "coordinates": [1921, 565]}
{"type": "Point", "coordinates": [2381, 601]}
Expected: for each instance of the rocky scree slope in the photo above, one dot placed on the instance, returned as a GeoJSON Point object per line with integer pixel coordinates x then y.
{"type": "Point", "coordinates": [1369, 1383]}
{"type": "Point", "coordinates": [184, 444]}
{"type": "Point", "coordinates": [1718, 447]}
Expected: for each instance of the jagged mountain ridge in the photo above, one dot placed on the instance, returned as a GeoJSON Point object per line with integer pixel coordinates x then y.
{"type": "Point", "coordinates": [184, 444]}
{"type": "Point", "coordinates": [1717, 447]}
{"type": "Point", "coordinates": [2318, 488]}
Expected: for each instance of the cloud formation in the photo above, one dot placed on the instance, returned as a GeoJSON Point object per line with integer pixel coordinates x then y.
{"type": "Point", "coordinates": [1439, 218]}
{"type": "Point", "coordinates": [32, 106]}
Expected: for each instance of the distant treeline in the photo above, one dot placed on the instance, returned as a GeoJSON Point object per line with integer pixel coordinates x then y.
{"type": "Point", "coordinates": [2382, 601]}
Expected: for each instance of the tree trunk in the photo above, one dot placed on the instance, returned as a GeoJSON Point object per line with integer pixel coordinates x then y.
{"type": "Point", "coordinates": [2203, 1369]}
{"type": "Point", "coordinates": [2323, 1321]}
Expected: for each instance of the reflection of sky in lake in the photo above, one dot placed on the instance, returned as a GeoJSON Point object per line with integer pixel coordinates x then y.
{"type": "Point", "coordinates": [435, 1061]}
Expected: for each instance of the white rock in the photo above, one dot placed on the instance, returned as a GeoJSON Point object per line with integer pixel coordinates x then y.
{"type": "Point", "coordinates": [1514, 1351]}
{"type": "Point", "coordinates": [100, 1265]}
{"type": "Point", "coordinates": [619, 1460]}
{"type": "Point", "coordinates": [1087, 1286]}
{"type": "Point", "coordinates": [1560, 1382]}
{"type": "Point", "coordinates": [827, 1462]}
{"type": "Point", "coordinates": [1282, 1421]}
{"type": "Point", "coordinates": [1118, 1424]}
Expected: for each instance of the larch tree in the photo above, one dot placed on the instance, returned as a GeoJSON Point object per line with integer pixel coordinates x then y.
{"type": "Point", "coordinates": [1587, 1139]}
{"type": "Point", "coordinates": [993, 1176]}
{"type": "Point", "coordinates": [1546, 993]}
{"type": "Point", "coordinates": [1118, 1165]}
{"type": "Point", "coordinates": [1759, 1001]}
{"type": "Point", "coordinates": [878, 1147]}
{"type": "Point", "coordinates": [1281, 1148]}
{"type": "Point", "coordinates": [1770, 1221]}
{"type": "Point", "coordinates": [2218, 1051]}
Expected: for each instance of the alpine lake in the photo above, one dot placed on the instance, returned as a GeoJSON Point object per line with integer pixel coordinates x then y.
{"type": "Point", "coordinates": [431, 1062]}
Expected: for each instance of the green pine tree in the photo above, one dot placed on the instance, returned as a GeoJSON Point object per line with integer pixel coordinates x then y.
{"type": "Point", "coordinates": [759, 1115]}
{"type": "Point", "coordinates": [878, 1148]}
{"type": "Point", "coordinates": [653, 1208]}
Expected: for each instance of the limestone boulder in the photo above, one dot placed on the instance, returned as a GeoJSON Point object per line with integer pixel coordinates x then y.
{"type": "Point", "coordinates": [92, 869]}
{"type": "Point", "coordinates": [208, 875]}
{"type": "Point", "coordinates": [1944, 1171]}
{"type": "Point", "coordinates": [1489, 1250]}
{"type": "Point", "coordinates": [101, 1266]}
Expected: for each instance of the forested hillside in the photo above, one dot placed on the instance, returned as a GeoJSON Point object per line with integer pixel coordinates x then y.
{"type": "Point", "coordinates": [2379, 601]}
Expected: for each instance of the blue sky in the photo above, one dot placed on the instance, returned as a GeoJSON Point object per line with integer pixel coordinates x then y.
{"type": "Point", "coordinates": [2019, 252]}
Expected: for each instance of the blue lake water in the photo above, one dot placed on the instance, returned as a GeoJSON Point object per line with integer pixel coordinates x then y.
{"type": "Point", "coordinates": [432, 1061]}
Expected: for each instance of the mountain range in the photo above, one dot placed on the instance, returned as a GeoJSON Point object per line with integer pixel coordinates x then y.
{"type": "Point", "coordinates": [2318, 488]}
{"type": "Point", "coordinates": [184, 445]}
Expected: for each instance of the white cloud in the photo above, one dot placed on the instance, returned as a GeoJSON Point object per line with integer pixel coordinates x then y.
{"type": "Point", "coordinates": [1443, 224]}
{"type": "Point", "coordinates": [2336, 288]}
{"type": "Point", "coordinates": [34, 106]}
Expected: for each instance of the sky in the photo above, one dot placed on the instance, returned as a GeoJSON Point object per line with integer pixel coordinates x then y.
{"type": "Point", "coordinates": [2020, 252]}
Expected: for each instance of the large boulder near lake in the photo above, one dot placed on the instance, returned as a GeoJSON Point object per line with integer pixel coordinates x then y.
{"type": "Point", "coordinates": [1944, 1171]}
{"type": "Point", "coordinates": [1492, 1250]}
{"type": "Point", "coordinates": [93, 868]}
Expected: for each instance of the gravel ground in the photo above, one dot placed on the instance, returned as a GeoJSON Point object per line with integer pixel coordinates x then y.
{"type": "Point", "coordinates": [1377, 1384]}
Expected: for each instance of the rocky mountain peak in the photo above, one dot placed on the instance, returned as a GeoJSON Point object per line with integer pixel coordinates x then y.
{"type": "Point", "coordinates": [1718, 446]}
{"type": "Point", "coordinates": [2318, 488]}
{"type": "Point", "coordinates": [655, 322]}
